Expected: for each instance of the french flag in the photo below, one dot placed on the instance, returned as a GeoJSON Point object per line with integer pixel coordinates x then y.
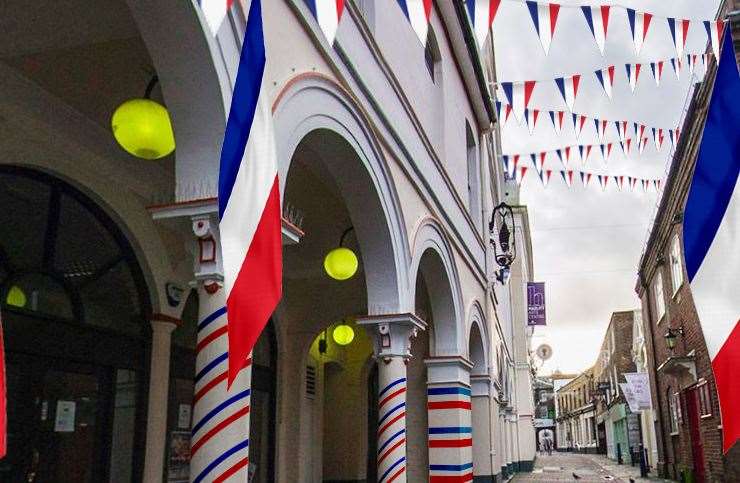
{"type": "Point", "coordinates": [584, 152]}
{"type": "Point", "coordinates": [249, 203]}
{"type": "Point", "coordinates": [676, 64]}
{"type": "Point", "coordinates": [603, 181]}
{"type": "Point", "coordinates": [657, 68]}
{"type": "Point", "coordinates": [621, 129]}
{"type": "Point", "coordinates": [565, 160]}
{"type": "Point", "coordinates": [711, 234]}
{"type": "Point", "coordinates": [639, 25]}
{"type": "Point", "coordinates": [557, 118]}
{"type": "Point", "coordinates": [520, 173]}
{"type": "Point", "coordinates": [214, 12]}
{"type": "Point", "coordinates": [579, 121]}
{"type": "Point", "coordinates": [633, 75]}
{"type": "Point", "coordinates": [714, 30]}
{"type": "Point", "coordinates": [539, 161]}
{"type": "Point", "coordinates": [585, 178]}
{"type": "Point", "coordinates": [632, 182]}
{"type": "Point", "coordinates": [568, 87]}
{"type": "Point", "coordinates": [679, 31]}
{"type": "Point", "coordinates": [530, 116]}
{"type": "Point", "coordinates": [482, 13]}
{"type": "Point", "coordinates": [658, 137]}
{"type": "Point", "coordinates": [691, 62]}
{"type": "Point", "coordinates": [606, 79]}
{"type": "Point", "coordinates": [504, 111]}
{"type": "Point", "coordinates": [510, 164]}
{"type": "Point", "coordinates": [545, 17]}
{"type": "Point", "coordinates": [601, 125]}
{"type": "Point", "coordinates": [518, 95]}
{"type": "Point", "coordinates": [606, 151]}
{"type": "Point", "coordinates": [545, 177]}
{"type": "Point", "coordinates": [619, 181]}
{"type": "Point", "coordinates": [418, 12]}
{"type": "Point", "coordinates": [597, 18]}
{"type": "Point", "coordinates": [567, 177]}
{"type": "Point", "coordinates": [626, 146]}
{"type": "Point", "coordinates": [327, 13]}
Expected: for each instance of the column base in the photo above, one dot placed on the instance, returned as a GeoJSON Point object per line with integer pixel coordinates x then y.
{"type": "Point", "coordinates": [525, 466]}
{"type": "Point", "coordinates": [485, 479]}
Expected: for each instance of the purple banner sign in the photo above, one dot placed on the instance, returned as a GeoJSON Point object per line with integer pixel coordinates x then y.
{"type": "Point", "coordinates": [536, 303]}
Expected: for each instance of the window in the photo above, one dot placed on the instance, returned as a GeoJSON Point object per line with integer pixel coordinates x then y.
{"type": "Point", "coordinates": [432, 56]}
{"type": "Point", "coordinates": [705, 400]}
{"type": "Point", "coordinates": [659, 297]}
{"type": "Point", "coordinates": [674, 402]}
{"type": "Point", "coordinates": [676, 266]}
{"type": "Point", "coordinates": [473, 176]}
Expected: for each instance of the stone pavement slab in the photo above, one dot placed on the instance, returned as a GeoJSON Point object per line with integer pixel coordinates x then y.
{"type": "Point", "coordinates": [582, 468]}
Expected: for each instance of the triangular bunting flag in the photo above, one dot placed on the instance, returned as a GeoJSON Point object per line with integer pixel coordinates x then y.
{"type": "Point", "coordinates": [510, 164]}
{"type": "Point", "coordinates": [417, 12]}
{"type": "Point", "coordinates": [545, 177]}
{"type": "Point", "coordinates": [639, 132]}
{"type": "Point", "coordinates": [619, 181]}
{"type": "Point", "coordinates": [606, 79]}
{"type": "Point", "coordinates": [621, 129]}
{"type": "Point", "coordinates": [606, 151]}
{"type": "Point", "coordinates": [633, 74]}
{"type": "Point", "coordinates": [503, 111]}
{"type": "Point", "coordinates": [566, 159]}
{"type": "Point", "coordinates": [642, 144]}
{"type": "Point", "coordinates": [691, 62]}
{"type": "Point", "coordinates": [578, 122]}
{"type": "Point", "coordinates": [645, 184]}
{"type": "Point", "coordinates": [679, 29]}
{"type": "Point", "coordinates": [585, 178]}
{"type": "Point", "coordinates": [584, 152]}
{"type": "Point", "coordinates": [518, 94]}
{"type": "Point", "coordinates": [520, 174]}
{"type": "Point", "coordinates": [482, 13]}
{"type": "Point", "coordinates": [327, 13]}
{"type": "Point", "coordinates": [545, 17]}
{"type": "Point", "coordinates": [530, 116]}
{"type": "Point", "coordinates": [597, 18]}
{"type": "Point", "coordinates": [672, 136]}
{"type": "Point", "coordinates": [539, 161]}
{"type": "Point", "coordinates": [714, 29]}
{"type": "Point", "coordinates": [600, 128]}
{"type": "Point", "coordinates": [567, 177]}
{"type": "Point", "coordinates": [658, 138]}
{"type": "Point", "coordinates": [656, 183]}
{"type": "Point", "coordinates": [676, 64]}
{"type": "Point", "coordinates": [626, 146]}
{"type": "Point", "coordinates": [557, 118]}
{"type": "Point", "coordinates": [632, 182]}
{"type": "Point", "coordinates": [639, 25]}
{"type": "Point", "coordinates": [568, 87]}
{"type": "Point", "coordinates": [657, 68]}
{"type": "Point", "coordinates": [603, 181]}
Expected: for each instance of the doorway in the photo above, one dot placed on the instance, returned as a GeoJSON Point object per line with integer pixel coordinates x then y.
{"type": "Point", "coordinates": [601, 437]}
{"type": "Point", "coordinates": [697, 448]}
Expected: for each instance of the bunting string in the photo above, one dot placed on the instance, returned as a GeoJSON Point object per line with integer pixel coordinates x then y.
{"type": "Point", "coordinates": [587, 178]}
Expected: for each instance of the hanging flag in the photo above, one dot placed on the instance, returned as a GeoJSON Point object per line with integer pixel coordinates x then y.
{"type": "Point", "coordinates": [418, 12]}
{"type": "Point", "coordinates": [642, 144]}
{"type": "Point", "coordinates": [539, 161]}
{"type": "Point", "coordinates": [711, 233]}
{"type": "Point", "coordinates": [656, 183]}
{"type": "Point", "coordinates": [214, 12]}
{"type": "Point", "coordinates": [676, 64]}
{"type": "Point", "coordinates": [520, 175]}
{"type": "Point", "coordinates": [545, 177]}
{"type": "Point", "coordinates": [545, 17]}
{"type": "Point", "coordinates": [557, 118]}
{"type": "Point", "coordinates": [597, 18]}
{"type": "Point", "coordinates": [503, 111]}
{"type": "Point", "coordinates": [606, 151]}
{"type": "Point", "coordinates": [518, 95]}
{"type": "Point", "coordinates": [619, 181]}
{"type": "Point", "coordinates": [578, 122]}
{"type": "Point", "coordinates": [657, 68]}
{"type": "Point", "coordinates": [714, 30]}
{"type": "Point", "coordinates": [482, 13]}
{"type": "Point", "coordinates": [639, 25]}
{"type": "Point", "coordinates": [621, 129]}
{"type": "Point", "coordinates": [584, 152]}
{"type": "Point", "coordinates": [633, 74]}
{"type": "Point", "coordinates": [658, 138]}
{"type": "Point", "coordinates": [632, 182]}
{"type": "Point", "coordinates": [510, 164]}
{"type": "Point", "coordinates": [603, 181]}
{"type": "Point", "coordinates": [606, 79]}
{"type": "Point", "coordinates": [327, 13]}
{"type": "Point", "coordinates": [691, 62]}
{"type": "Point", "coordinates": [679, 30]}
{"type": "Point", "coordinates": [626, 146]}
{"type": "Point", "coordinates": [566, 159]}
{"type": "Point", "coordinates": [567, 177]}
{"type": "Point", "coordinates": [3, 402]}
{"type": "Point", "coordinates": [585, 178]}
{"type": "Point", "coordinates": [600, 128]}
{"type": "Point", "coordinates": [530, 116]}
{"type": "Point", "coordinates": [640, 132]}
{"type": "Point", "coordinates": [568, 87]}
{"type": "Point", "coordinates": [249, 202]}
{"type": "Point", "coordinates": [645, 184]}
{"type": "Point", "coordinates": [672, 137]}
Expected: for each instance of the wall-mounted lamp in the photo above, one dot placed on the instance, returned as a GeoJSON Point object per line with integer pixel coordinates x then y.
{"type": "Point", "coordinates": [672, 335]}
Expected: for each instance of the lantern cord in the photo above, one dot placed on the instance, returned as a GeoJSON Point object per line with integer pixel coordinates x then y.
{"type": "Point", "coordinates": [150, 87]}
{"type": "Point", "coordinates": [344, 235]}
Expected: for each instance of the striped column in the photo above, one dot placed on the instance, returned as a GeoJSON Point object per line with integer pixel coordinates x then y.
{"type": "Point", "coordinates": [219, 447]}
{"type": "Point", "coordinates": [449, 418]}
{"type": "Point", "coordinates": [392, 343]}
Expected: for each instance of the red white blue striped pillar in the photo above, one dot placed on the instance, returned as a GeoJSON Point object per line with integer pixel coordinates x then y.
{"type": "Point", "coordinates": [392, 341]}
{"type": "Point", "coordinates": [449, 418]}
{"type": "Point", "coordinates": [219, 445]}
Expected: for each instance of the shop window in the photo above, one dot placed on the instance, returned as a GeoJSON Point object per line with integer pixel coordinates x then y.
{"type": "Point", "coordinates": [676, 265]}
{"type": "Point", "coordinates": [659, 297]}
{"type": "Point", "coordinates": [705, 400]}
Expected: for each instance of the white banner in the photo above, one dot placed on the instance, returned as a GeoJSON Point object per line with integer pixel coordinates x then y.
{"type": "Point", "coordinates": [639, 385]}
{"type": "Point", "coordinates": [629, 396]}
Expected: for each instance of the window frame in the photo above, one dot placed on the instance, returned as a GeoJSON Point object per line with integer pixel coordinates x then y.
{"type": "Point", "coordinates": [674, 258]}
{"type": "Point", "coordinates": [705, 400]}
{"type": "Point", "coordinates": [674, 411]}
{"type": "Point", "coordinates": [659, 297]}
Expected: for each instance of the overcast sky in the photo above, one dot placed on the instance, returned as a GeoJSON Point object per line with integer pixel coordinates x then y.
{"type": "Point", "coordinates": [587, 243]}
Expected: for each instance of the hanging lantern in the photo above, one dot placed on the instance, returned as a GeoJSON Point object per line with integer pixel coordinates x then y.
{"type": "Point", "coordinates": [341, 263]}
{"type": "Point", "coordinates": [142, 127]}
{"type": "Point", "coordinates": [343, 334]}
{"type": "Point", "coordinates": [503, 238]}
{"type": "Point", "coordinates": [16, 297]}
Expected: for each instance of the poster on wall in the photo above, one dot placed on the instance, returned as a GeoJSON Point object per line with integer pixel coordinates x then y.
{"type": "Point", "coordinates": [535, 303]}
{"type": "Point", "coordinates": [178, 464]}
{"type": "Point", "coordinates": [640, 386]}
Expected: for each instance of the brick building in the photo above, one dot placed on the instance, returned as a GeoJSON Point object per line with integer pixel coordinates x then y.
{"type": "Point", "coordinates": [688, 426]}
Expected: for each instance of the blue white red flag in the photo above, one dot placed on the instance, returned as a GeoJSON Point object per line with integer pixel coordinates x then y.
{"type": "Point", "coordinates": [518, 95]}
{"type": "Point", "coordinates": [418, 12]}
{"type": "Point", "coordinates": [674, 134]}
{"type": "Point", "coordinates": [249, 202]}
{"type": "Point", "coordinates": [691, 62]}
{"type": "Point", "coordinates": [327, 13]}
{"type": "Point", "coordinates": [606, 151]}
{"type": "Point", "coordinates": [621, 129]}
{"type": "Point", "coordinates": [632, 182]}
{"type": "Point", "coordinates": [567, 177]}
{"type": "Point", "coordinates": [679, 32]}
{"type": "Point", "coordinates": [606, 79]}
{"type": "Point", "coordinates": [520, 173]}
{"type": "Point", "coordinates": [545, 18]}
{"type": "Point", "coordinates": [214, 12]}
{"type": "Point", "coordinates": [511, 162]}
{"type": "Point", "coordinates": [564, 159]}
{"type": "Point", "coordinates": [538, 160]}
{"type": "Point", "coordinates": [557, 118]}
{"type": "Point", "coordinates": [482, 13]}
{"type": "Point", "coordinates": [676, 64]}
{"type": "Point", "coordinates": [503, 111]}
{"type": "Point", "coordinates": [579, 121]}
{"type": "Point", "coordinates": [711, 236]}
{"type": "Point", "coordinates": [530, 116]}
{"type": "Point", "coordinates": [601, 125]}
{"type": "Point", "coordinates": [657, 68]}
{"type": "Point", "coordinates": [714, 30]}
{"type": "Point", "coordinates": [619, 181]}
{"type": "Point", "coordinates": [545, 177]}
{"type": "Point", "coordinates": [585, 178]}
{"type": "Point", "coordinates": [568, 87]}
{"type": "Point", "coordinates": [626, 146]}
{"type": "Point", "coordinates": [597, 18]}
{"type": "Point", "coordinates": [584, 151]}
{"type": "Point", "coordinates": [658, 138]}
{"type": "Point", "coordinates": [633, 74]}
{"type": "Point", "coordinates": [603, 181]}
{"type": "Point", "coordinates": [639, 26]}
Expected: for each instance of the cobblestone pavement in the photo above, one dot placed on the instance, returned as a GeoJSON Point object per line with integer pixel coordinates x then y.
{"type": "Point", "coordinates": [582, 468]}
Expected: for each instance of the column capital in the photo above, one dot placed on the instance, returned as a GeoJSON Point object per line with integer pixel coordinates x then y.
{"type": "Point", "coordinates": [392, 333]}
{"type": "Point", "coordinates": [480, 385]}
{"type": "Point", "coordinates": [208, 264]}
{"type": "Point", "coordinates": [448, 369]}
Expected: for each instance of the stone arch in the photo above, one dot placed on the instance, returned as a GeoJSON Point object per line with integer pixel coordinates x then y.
{"type": "Point", "coordinates": [434, 261]}
{"type": "Point", "coordinates": [311, 104]}
{"type": "Point", "coordinates": [477, 337]}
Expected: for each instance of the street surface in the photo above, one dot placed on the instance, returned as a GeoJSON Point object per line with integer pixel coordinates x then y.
{"type": "Point", "coordinates": [582, 468]}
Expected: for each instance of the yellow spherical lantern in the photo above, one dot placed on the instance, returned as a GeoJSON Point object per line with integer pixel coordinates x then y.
{"type": "Point", "coordinates": [341, 263]}
{"type": "Point", "coordinates": [16, 297]}
{"type": "Point", "coordinates": [343, 334]}
{"type": "Point", "coordinates": [142, 127]}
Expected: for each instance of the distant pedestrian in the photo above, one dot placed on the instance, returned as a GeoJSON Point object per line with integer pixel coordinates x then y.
{"type": "Point", "coordinates": [547, 443]}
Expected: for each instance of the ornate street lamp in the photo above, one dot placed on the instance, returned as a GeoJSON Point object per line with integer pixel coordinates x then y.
{"type": "Point", "coordinates": [503, 238]}
{"type": "Point", "coordinates": [341, 263]}
{"type": "Point", "coordinates": [672, 335]}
